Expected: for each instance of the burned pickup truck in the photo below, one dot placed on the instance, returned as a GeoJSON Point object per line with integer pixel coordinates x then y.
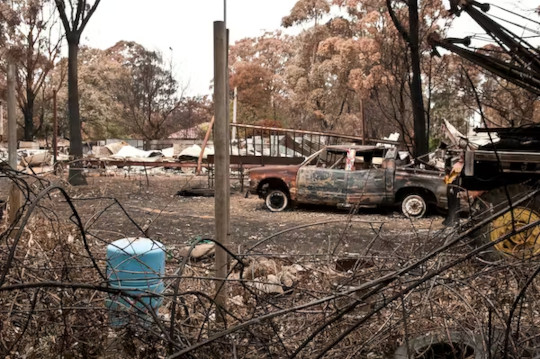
{"type": "Point", "coordinates": [351, 175]}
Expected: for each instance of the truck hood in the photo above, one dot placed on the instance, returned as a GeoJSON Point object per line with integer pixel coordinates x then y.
{"type": "Point", "coordinates": [265, 171]}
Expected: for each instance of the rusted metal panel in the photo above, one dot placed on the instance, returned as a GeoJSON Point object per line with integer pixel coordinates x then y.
{"type": "Point", "coordinates": [125, 163]}
{"type": "Point", "coordinates": [506, 156]}
{"type": "Point", "coordinates": [309, 133]}
{"type": "Point", "coordinates": [432, 181]}
{"type": "Point", "coordinates": [286, 174]}
{"type": "Point", "coordinates": [260, 160]}
{"type": "Point", "coordinates": [367, 187]}
{"type": "Point", "coordinates": [321, 185]}
{"type": "Point", "coordinates": [390, 165]}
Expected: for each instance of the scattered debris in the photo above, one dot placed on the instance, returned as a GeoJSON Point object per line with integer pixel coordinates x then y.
{"type": "Point", "coordinates": [195, 150]}
{"type": "Point", "coordinates": [34, 158]}
{"type": "Point", "coordinates": [196, 192]}
{"type": "Point", "coordinates": [198, 252]}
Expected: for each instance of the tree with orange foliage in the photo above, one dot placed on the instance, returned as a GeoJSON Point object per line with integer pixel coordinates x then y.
{"type": "Point", "coordinates": [257, 70]}
{"type": "Point", "coordinates": [354, 66]}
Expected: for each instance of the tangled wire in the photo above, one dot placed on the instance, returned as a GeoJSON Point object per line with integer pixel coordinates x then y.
{"type": "Point", "coordinates": [425, 297]}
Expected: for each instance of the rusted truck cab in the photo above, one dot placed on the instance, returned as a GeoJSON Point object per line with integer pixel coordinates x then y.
{"type": "Point", "coordinates": [350, 175]}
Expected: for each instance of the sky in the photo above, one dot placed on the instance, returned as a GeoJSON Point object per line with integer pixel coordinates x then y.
{"type": "Point", "coordinates": [182, 30]}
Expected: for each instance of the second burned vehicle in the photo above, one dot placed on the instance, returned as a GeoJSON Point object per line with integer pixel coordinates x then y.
{"type": "Point", "coordinates": [351, 175]}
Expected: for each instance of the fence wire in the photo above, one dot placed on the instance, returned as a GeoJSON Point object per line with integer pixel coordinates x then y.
{"type": "Point", "coordinates": [410, 293]}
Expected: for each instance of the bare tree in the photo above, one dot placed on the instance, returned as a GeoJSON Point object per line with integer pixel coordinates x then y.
{"type": "Point", "coordinates": [35, 48]}
{"type": "Point", "coordinates": [75, 17]}
{"type": "Point", "coordinates": [151, 95]}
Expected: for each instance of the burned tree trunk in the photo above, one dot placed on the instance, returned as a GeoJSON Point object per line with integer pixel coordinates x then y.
{"type": "Point", "coordinates": [411, 37]}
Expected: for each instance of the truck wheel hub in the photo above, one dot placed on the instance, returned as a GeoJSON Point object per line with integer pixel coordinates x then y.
{"type": "Point", "coordinates": [524, 244]}
{"type": "Point", "coordinates": [414, 206]}
{"type": "Point", "coordinates": [277, 200]}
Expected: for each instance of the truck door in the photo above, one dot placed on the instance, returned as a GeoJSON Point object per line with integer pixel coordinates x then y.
{"type": "Point", "coordinates": [324, 180]}
{"type": "Point", "coordinates": [366, 180]}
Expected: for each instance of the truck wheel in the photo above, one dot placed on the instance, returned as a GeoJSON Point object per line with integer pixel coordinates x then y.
{"type": "Point", "coordinates": [523, 245]}
{"type": "Point", "coordinates": [459, 344]}
{"type": "Point", "coordinates": [413, 206]}
{"type": "Point", "coordinates": [276, 200]}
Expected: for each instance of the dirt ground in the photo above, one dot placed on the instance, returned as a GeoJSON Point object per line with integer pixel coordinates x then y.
{"type": "Point", "coordinates": [152, 202]}
{"type": "Point", "coordinates": [315, 261]}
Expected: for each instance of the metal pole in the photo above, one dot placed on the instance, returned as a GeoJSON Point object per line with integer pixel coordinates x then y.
{"type": "Point", "coordinates": [228, 127]}
{"type": "Point", "coordinates": [55, 129]}
{"type": "Point", "coordinates": [235, 95]}
{"type": "Point", "coordinates": [221, 159]}
{"type": "Point", "coordinates": [294, 144]}
{"type": "Point", "coordinates": [1, 120]}
{"type": "Point", "coordinates": [228, 116]}
{"type": "Point", "coordinates": [12, 120]}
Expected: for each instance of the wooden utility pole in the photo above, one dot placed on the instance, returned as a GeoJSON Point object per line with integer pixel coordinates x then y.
{"type": "Point", "coordinates": [1, 121]}
{"type": "Point", "coordinates": [221, 146]}
{"type": "Point", "coordinates": [15, 197]}
{"type": "Point", "coordinates": [363, 115]}
{"type": "Point", "coordinates": [55, 129]}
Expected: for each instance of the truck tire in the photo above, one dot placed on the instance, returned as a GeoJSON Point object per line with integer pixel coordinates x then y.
{"type": "Point", "coordinates": [413, 206]}
{"type": "Point", "coordinates": [455, 344]}
{"type": "Point", "coordinates": [276, 200]}
{"type": "Point", "coordinates": [522, 245]}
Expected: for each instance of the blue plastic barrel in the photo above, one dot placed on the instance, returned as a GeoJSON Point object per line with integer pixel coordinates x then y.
{"type": "Point", "coordinates": [136, 265]}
